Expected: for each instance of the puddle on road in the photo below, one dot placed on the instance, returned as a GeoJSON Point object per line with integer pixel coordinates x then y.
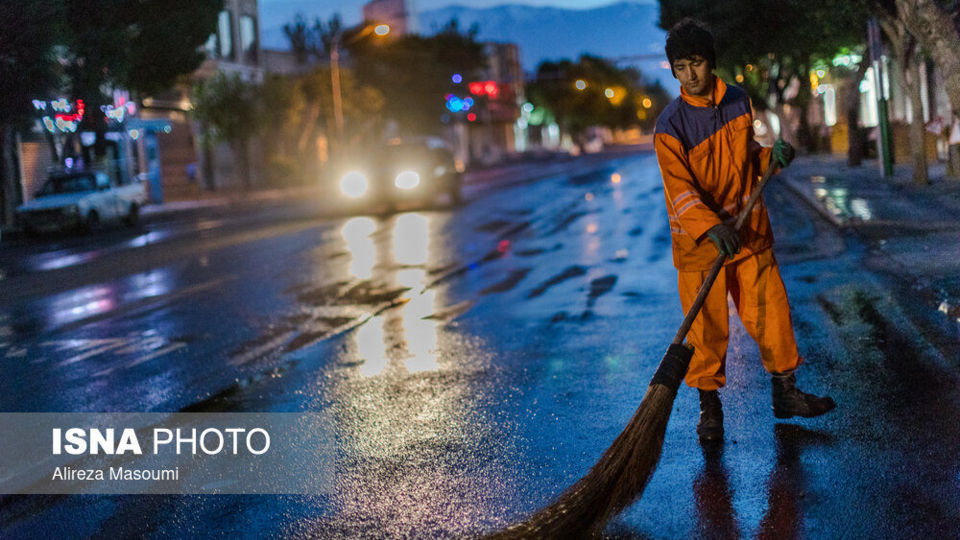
{"type": "Point", "coordinates": [599, 287]}
{"type": "Point", "coordinates": [344, 293]}
{"type": "Point", "coordinates": [601, 175]}
{"type": "Point", "coordinates": [146, 239]}
{"type": "Point", "coordinates": [315, 330]}
{"type": "Point", "coordinates": [621, 256]}
{"type": "Point", "coordinates": [65, 258]}
{"type": "Point", "coordinates": [507, 284]}
{"type": "Point", "coordinates": [568, 273]}
{"type": "Point", "coordinates": [831, 310]}
{"type": "Point", "coordinates": [59, 259]}
{"type": "Point", "coordinates": [268, 341]}
{"type": "Point", "coordinates": [450, 313]}
{"type": "Point", "coordinates": [838, 201]}
{"type": "Point", "coordinates": [492, 226]}
{"type": "Point", "coordinates": [99, 356]}
{"type": "Point", "coordinates": [533, 252]}
{"type": "Point", "coordinates": [92, 301]}
{"type": "Point", "coordinates": [566, 221]}
{"type": "Point", "coordinates": [371, 294]}
{"type": "Point", "coordinates": [394, 319]}
{"type": "Point", "coordinates": [635, 297]}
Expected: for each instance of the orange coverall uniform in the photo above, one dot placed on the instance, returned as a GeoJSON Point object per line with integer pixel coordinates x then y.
{"type": "Point", "coordinates": [710, 165]}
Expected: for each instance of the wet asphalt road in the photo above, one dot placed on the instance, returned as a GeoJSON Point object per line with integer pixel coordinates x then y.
{"type": "Point", "coordinates": [478, 360]}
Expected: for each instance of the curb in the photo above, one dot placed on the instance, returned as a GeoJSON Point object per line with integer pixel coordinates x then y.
{"type": "Point", "coordinates": [795, 186]}
{"type": "Point", "coordinates": [228, 200]}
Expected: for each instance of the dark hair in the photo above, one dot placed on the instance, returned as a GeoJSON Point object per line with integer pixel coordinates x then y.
{"type": "Point", "coordinates": [687, 38]}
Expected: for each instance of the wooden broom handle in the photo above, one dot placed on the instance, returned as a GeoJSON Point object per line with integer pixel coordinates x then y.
{"type": "Point", "coordinates": [718, 262]}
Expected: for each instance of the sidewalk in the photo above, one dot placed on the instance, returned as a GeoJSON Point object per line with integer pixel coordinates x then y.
{"type": "Point", "coordinates": [913, 232]}
{"type": "Point", "coordinates": [229, 198]}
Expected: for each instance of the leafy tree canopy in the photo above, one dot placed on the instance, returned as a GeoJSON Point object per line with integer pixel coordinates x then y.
{"type": "Point", "coordinates": [141, 46]}
{"type": "Point", "coordinates": [229, 106]}
{"type": "Point", "coordinates": [779, 37]}
{"type": "Point", "coordinates": [28, 67]}
{"type": "Point", "coordinates": [593, 91]}
{"type": "Point", "coordinates": [413, 73]}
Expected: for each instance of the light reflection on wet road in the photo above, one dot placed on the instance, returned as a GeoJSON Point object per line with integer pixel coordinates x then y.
{"type": "Point", "coordinates": [476, 362]}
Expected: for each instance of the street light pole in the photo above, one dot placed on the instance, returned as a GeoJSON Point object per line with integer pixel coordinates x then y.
{"type": "Point", "coordinates": [335, 84]}
{"type": "Point", "coordinates": [380, 30]}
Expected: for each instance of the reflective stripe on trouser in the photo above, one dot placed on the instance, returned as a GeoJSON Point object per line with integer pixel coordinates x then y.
{"type": "Point", "coordinates": [757, 290]}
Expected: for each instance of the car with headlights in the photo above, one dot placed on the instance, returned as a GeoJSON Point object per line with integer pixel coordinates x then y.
{"type": "Point", "coordinates": [80, 201]}
{"type": "Point", "coordinates": [410, 170]}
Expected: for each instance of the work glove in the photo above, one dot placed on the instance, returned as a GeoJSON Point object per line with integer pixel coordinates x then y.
{"type": "Point", "coordinates": [783, 153]}
{"type": "Point", "coordinates": [726, 238]}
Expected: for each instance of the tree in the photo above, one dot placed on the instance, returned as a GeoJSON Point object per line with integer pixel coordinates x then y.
{"type": "Point", "coordinates": [230, 109]}
{"type": "Point", "coordinates": [298, 35]}
{"type": "Point", "coordinates": [781, 40]}
{"type": "Point", "coordinates": [414, 72]}
{"type": "Point", "coordinates": [313, 41]}
{"type": "Point", "coordinates": [937, 29]}
{"type": "Point", "coordinates": [594, 92]}
{"type": "Point", "coordinates": [28, 70]}
{"type": "Point", "coordinates": [297, 114]}
{"type": "Point", "coordinates": [910, 63]}
{"type": "Point", "coordinates": [361, 103]}
{"type": "Point", "coordinates": [278, 99]}
{"type": "Point", "coordinates": [140, 46]}
{"type": "Point", "coordinates": [167, 40]}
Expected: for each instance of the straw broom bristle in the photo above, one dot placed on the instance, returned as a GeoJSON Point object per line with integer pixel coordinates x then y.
{"type": "Point", "coordinates": [616, 481]}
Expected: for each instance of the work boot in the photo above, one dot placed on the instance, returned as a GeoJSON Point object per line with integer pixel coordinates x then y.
{"type": "Point", "coordinates": [710, 428]}
{"type": "Point", "coordinates": [789, 401]}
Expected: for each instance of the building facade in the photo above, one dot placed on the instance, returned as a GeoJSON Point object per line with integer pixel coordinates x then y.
{"type": "Point", "coordinates": [496, 131]}
{"type": "Point", "coordinates": [189, 167]}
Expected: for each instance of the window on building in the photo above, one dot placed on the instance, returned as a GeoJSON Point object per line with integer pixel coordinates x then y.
{"type": "Point", "coordinates": [248, 39]}
{"type": "Point", "coordinates": [225, 36]}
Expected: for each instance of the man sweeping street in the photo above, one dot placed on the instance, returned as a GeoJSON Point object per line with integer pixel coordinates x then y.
{"type": "Point", "coordinates": [710, 164]}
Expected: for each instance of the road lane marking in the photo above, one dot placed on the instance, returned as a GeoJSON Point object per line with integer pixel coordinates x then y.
{"type": "Point", "coordinates": [106, 345]}
{"type": "Point", "coordinates": [174, 346]}
{"type": "Point", "coordinates": [144, 303]}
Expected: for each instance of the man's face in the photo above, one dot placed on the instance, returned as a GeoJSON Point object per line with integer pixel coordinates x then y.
{"type": "Point", "coordinates": [694, 75]}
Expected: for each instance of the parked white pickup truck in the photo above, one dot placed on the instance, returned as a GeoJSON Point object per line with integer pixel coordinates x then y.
{"type": "Point", "coordinates": [81, 201]}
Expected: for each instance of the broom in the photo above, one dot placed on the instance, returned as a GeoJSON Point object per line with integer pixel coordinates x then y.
{"type": "Point", "coordinates": [623, 471]}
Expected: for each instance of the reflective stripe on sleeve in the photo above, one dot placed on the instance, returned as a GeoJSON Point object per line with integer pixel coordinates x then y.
{"type": "Point", "coordinates": [683, 196]}
{"type": "Point", "coordinates": [687, 206]}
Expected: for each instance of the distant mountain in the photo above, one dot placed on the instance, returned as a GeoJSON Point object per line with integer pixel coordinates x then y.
{"type": "Point", "coordinates": [543, 33]}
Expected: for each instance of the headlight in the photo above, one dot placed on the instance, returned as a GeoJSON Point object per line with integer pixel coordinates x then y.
{"type": "Point", "coordinates": [354, 184]}
{"type": "Point", "coordinates": [71, 210]}
{"type": "Point", "coordinates": [407, 180]}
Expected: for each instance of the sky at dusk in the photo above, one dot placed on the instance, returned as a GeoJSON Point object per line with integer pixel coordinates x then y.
{"type": "Point", "coordinates": [606, 28]}
{"type": "Point", "coordinates": [272, 11]}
